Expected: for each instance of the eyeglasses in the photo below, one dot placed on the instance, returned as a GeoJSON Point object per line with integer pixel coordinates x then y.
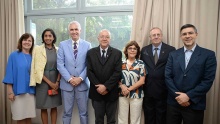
{"type": "Point", "coordinates": [104, 37]}
{"type": "Point", "coordinates": [130, 49]}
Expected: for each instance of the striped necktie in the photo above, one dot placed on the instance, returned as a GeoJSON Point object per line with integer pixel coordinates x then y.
{"type": "Point", "coordinates": [75, 50]}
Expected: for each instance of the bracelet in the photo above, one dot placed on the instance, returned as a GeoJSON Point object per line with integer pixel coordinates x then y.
{"type": "Point", "coordinates": [58, 81]}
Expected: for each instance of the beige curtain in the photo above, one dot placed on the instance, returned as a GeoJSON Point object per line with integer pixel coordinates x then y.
{"type": "Point", "coordinates": [216, 90]}
{"type": "Point", "coordinates": [11, 28]}
{"type": "Point", "coordinates": [170, 15]}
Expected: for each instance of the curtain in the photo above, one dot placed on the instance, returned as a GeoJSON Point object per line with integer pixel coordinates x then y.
{"type": "Point", "coordinates": [11, 28]}
{"type": "Point", "coordinates": [170, 15]}
{"type": "Point", "coordinates": [216, 86]}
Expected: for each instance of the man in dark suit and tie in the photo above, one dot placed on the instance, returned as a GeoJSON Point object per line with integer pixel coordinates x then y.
{"type": "Point", "coordinates": [104, 71]}
{"type": "Point", "coordinates": [189, 73]}
{"type": "Point", "coordinates": [155, 57]}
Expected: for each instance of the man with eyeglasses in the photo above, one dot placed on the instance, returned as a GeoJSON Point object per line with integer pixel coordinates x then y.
{"type": "Point", "coordinates": [155, 91]}
{"type": "Point", "coordinates": [104, 72]}
{"type": "Point", "coordinates": [189, 74]}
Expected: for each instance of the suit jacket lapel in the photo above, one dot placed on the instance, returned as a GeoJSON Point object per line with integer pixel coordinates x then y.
{"type": "Point", "coordinates": [161, 56]}
{"type": "Point", "coordinates": [109, 52]}
{"type": "Point", "coordinates": [98, 54]}
{"type": "Point", "coordinates": [181, 59]}
{"type": "Point", "coordinates": [193, 58]}
{"type": "Point", "coordinates": [69, 43]}
{"type": "Point", "coordinates": [151, 54]}
{"type": "Point", "coordinates": [80, 48]}
{"type": "Point", "coordinates": [162, 52]}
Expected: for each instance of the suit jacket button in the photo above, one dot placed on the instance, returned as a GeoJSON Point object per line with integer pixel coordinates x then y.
{"type": "Point", "coordinates": [75, 67]}
{"type": "Point", "coordinates": [184, 75]}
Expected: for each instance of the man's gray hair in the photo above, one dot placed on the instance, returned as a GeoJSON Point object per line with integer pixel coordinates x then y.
{"type": "Point", "coordinates": [74, 22]}
{"type": "Point", "coordinates": [106, 31]}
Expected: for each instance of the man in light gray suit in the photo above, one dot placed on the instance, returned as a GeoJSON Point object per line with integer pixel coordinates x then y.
{"type": "Point", "coordinates": [71, 63]}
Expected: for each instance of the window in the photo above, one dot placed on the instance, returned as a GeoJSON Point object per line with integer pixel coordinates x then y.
{"type": "Point", "coordinates": [59, 25]}
{"type": "Point", "coordinates": [119, 26]}
{"type": "Point", "coordinates": [108, 2]}
{"type": "Point", "coordinates": [53, 4]}
{"type": "Point", "coordinates": [93, 15]}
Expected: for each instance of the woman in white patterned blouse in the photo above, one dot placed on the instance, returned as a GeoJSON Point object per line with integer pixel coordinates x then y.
{"type": "Point", "coordinates": [131, 94]}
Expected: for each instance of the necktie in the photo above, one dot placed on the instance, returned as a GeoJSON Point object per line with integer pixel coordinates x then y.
{"type": "Point", "coordinates": [155, 56]}
{"type": "Point", "coordinates": [103, 56]}
{"type": "Point", "coordinates": [75, 50]}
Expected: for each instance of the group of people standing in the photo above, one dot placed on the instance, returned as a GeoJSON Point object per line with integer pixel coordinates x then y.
{"type": "Point", "coordinates": [170, 85]}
